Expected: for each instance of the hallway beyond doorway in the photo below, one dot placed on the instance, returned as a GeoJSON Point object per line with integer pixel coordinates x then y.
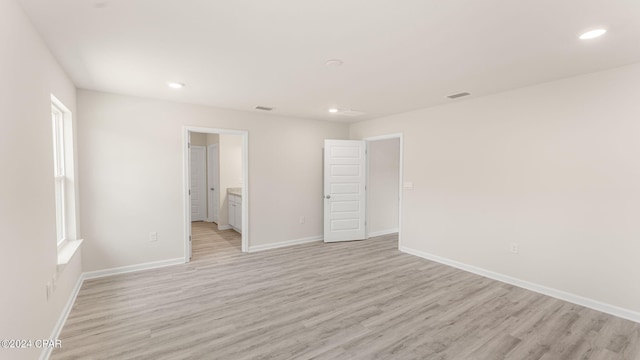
{"type": "Point", "coordinates": [207, 240]}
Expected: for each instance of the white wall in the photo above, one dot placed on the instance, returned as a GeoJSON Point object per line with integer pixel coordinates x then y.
{"type": "Point", "coordinates": [553, 167]}
{"type": "Point", "coordinates": [198, 139]}
{"type": "Point", "coordinates": [230, 151]}
{"type": "Point", "coordinates": [130, 154]}
{"type": "Point", "coordinates": [383, 185]}
{"type": "Point", "coordinates": [213, 139]}
{"type": "Point", "coordinates": [28, 257]}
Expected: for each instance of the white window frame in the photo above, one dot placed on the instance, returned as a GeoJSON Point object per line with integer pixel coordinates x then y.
{"type": "Point", "coordinates": [57, 119]}
{"type": "Point", "coordinates": [67, 237]}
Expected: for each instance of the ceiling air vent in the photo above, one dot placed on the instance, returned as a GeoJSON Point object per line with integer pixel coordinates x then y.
{"type": "Point", "coordinates": [458, 95]}
{"type": "Point", "coordinates": [263, 108]}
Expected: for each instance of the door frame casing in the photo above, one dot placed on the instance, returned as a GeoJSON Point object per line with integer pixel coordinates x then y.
{"type": "Point", "coordinates": [186, 167]}
{"type": "Point", "coordinates": [400, 179]}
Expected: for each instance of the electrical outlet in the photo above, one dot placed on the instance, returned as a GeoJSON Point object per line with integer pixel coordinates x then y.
{"type": "Point", "coordinates": [302, 219]}
{"type": "Point", "coordinates": [514, 248]}
{"type": "Point", "coordinates": [153, 236]}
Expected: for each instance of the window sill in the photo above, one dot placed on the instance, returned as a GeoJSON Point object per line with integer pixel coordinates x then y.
{"type": "Point", "coordinates": [67, 251]}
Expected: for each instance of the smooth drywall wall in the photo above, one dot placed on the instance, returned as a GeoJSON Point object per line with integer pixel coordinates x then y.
{"type": "Point", "coordinates": [230, 154]}
{"type": "Point", "coordinates": [198, 139]}
{"type": "Point", "coordinates": [131, 165]}
{"type": "Point", "coordinates": [383, 186]}
{"type": "Point", "coordinates": [554, 168]}
{"type": "Point", "coordinates": [213, 139]}
{"type": "Point", "coordinates": [28, 259]}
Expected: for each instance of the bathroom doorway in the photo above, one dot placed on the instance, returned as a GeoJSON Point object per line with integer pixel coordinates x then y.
{"type": "Point", "coordinates": [216, 189]}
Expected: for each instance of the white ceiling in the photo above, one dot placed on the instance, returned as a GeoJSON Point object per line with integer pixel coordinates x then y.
{"type": "Point", "coordinates": [398, 55]}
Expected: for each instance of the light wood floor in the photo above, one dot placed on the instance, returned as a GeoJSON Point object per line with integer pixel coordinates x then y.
{"type": "Point", "coordinates": [356, 300]}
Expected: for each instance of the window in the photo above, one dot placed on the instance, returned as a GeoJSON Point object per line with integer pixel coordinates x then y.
{"type": "Point", "coordinates": [64, 180]}
{"type": "Point", "coordinates": [57, 117]}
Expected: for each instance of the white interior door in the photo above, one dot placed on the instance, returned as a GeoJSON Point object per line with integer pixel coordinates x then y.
{"type": "Point", "coordinates": [198, 184]}
{"type": "Point", "coordinates": [344, 190]}
{"type": "Point", "coordinates": [213, 181]}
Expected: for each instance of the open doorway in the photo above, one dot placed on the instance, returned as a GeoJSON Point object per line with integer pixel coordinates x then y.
{"type": "Point", "coordinates": [216, 190]}
{"type": "Point", "coordinates": [362, 188]}
{"type": "Point", "coordinates": [384, 186]}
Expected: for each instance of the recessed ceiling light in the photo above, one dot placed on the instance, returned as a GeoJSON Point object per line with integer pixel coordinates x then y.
{"type": "Point", "coordinates": [334, 62]}
{"type": "Point", "coordinates": [592, 34]}
{"type": "Point", "coordinates": [175, 85]}
{"type": "Point", "coordinates": [333, 110]}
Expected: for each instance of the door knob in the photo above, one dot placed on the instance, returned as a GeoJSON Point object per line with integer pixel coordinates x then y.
{"type": "Point", "coordinates": [328, 196]}
{"type": "Point", "coordinates": [212, 189]}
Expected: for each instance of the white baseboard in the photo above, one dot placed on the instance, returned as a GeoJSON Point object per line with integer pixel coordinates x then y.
{"type": "Point", "coordinates": [285, 243]}
{"type": "Point", "coordinates": [94, 275]}
{"type": "Point", "coordinates": [224, 227]}
{"type": "Point", "coordinates": [558, 294]}
{"type": "Point", "coordinates": [382, 232]}
{"type": "Point", "coordinates": [131, 268]}
{"type": "Point", "coordinates": [55, 334]}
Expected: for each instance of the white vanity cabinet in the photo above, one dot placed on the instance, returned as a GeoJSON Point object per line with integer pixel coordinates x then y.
{"type": "Point", "coordinates": [235, 212]}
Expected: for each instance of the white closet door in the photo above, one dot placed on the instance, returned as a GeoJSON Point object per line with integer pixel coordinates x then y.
{"type": "Point", "coordinates": [198, 184]}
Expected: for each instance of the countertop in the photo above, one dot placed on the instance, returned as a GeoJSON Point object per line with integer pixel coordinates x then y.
{"type": "Point", "coordinates": [235, 191]}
